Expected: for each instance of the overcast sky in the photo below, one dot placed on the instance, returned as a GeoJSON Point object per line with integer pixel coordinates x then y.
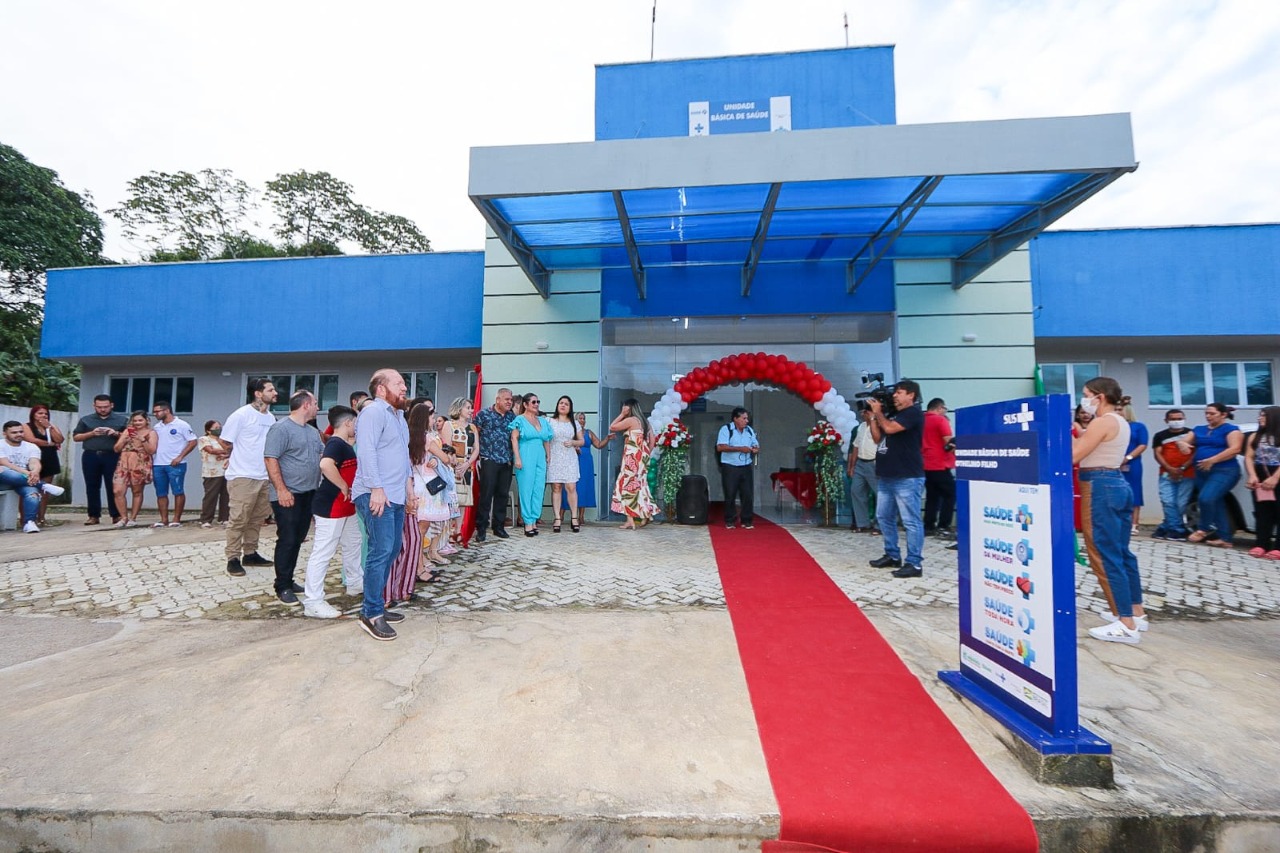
{"type": "Point", "coordinates": [389, 95]}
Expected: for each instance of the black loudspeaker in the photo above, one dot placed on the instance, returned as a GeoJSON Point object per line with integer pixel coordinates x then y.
{"type": "Point", "coordinates": [692, 500]}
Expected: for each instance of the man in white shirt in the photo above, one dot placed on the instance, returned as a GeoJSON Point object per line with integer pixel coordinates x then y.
{"type": "Point", "coordinates": [174, 441]}
{"type": "Point", "coordinates": [245, 432]}
{"type": "Point", "coordinates": [20, 471]}
{"type": "Point", "coordinates": [862, 474]}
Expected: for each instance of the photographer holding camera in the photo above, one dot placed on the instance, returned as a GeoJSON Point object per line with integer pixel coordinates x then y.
{"type": "Point", "coordinates": [900, 469]}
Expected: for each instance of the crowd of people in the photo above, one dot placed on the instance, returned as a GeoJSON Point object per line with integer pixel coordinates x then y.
{"type": "Point", "coordinates": [392, 501]}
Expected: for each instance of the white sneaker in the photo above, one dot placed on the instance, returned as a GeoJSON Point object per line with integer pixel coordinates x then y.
{"type": "Point", "coordinates": [51, 489]}
{"type": "Point", "coordinates": [355, 590]}
{"type": "Point", "coordinates": [321, 610]}
{"type": "Point", "coordinates": [206, 525]}
{"type": "Point", "coordinates": [30, 527]}
{"type": "Point", "coordinates": [1142, 621]}
{"type": "Point", "coordinates": [1116, 632]}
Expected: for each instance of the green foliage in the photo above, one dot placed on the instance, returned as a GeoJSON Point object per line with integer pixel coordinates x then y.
{"type": "Point", "coordinates": [25, 377]}
{"type": "Point", "coordinates": [313, 207]}
{"type": "Point", "coordinates": [186, 216]}
{"type": "Point", "coordinates": [387, 233]}
{"type": "Point", "coordinates": [42, 224]}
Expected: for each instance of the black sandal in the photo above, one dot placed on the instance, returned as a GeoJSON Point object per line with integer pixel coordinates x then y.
{"type": "Point", "coordinates": [555, 528]}
{"type": "Point", "coordinates": [574, 526]}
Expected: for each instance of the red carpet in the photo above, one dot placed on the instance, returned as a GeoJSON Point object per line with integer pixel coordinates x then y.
{"type": "Point", "coordinates": [859, 755]}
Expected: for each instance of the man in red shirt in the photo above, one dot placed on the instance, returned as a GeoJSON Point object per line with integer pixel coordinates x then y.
{"type": "Point", "coordinates": [939, 448]}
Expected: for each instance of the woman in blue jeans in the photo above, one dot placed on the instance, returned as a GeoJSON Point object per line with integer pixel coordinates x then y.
{"type": "Point", "coordinates": [1217, 444]}
{"type": "Point", "coordinates": [1106, 510]}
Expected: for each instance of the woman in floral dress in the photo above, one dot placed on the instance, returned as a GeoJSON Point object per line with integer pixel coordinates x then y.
{"type": "Point", "coordinates": [631, 492]}
{"type": "Point", "coordinates": [136, 445]}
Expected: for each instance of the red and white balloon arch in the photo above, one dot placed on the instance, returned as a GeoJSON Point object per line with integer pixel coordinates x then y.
{"type": "Point", "coordinates": [765, 368]}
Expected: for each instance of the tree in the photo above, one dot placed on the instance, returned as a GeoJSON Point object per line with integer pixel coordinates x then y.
{"type": "Point", "coordinates": [186, 216]}
{"type": "Point", "coordinates": [25, 377]}
{"type": "Point", "coordinates": [42, 224]}
{"type": "Point", "coordinates": [313, 208]}
{"type": "Point", "coordinates": [387, 233]}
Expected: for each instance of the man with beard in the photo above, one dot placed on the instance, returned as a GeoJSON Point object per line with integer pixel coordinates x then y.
{"type": "Point", "coordinates": [245, 432]}
{"type": "Point", "coordinates": [382, 476]}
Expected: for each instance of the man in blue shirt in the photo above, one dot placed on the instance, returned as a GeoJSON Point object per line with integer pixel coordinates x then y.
{"type": "Point", "coordinates": [382, 476]}
{"type": "Point", "coordinates": [900, 472]}
{"type": "Point", "coordinates": [494, 424]}
{"type": "Point", "coordinates": [737, 445]}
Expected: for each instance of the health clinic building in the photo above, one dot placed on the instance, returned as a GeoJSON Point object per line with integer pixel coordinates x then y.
{"type": "Point", "coordinates": [766, 203]}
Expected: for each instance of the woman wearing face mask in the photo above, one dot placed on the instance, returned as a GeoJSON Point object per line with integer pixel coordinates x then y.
{"type": "Point", "coordinates": [1217, 444]}
{"type": "Point", "coordinates": [1107, 510]}
{"type": "Point", "coordinates": [213, 468]}
{"type": "Point", "coordinates": [1262, 475]}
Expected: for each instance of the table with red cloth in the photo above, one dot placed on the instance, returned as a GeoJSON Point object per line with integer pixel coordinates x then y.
{"type": "Point", "coordinates": [801, 485]}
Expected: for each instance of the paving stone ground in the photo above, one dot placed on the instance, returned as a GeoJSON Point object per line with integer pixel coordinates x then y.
{"type": "Point", "coordinates": [180, 574]}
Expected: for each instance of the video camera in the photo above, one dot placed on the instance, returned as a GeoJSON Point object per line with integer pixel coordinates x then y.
{"type": "Point", "coordinates": [876, 389]}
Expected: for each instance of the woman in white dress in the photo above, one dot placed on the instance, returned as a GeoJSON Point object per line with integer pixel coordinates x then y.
{"type": "Point", "coordinates": [562, 467]}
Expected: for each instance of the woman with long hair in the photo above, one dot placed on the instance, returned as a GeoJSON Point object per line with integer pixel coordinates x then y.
{"type": "Point", "coordinates": [562, 463]}
{"type": "Point", "coordinates": [587, 465]}
{"type": "Point", "coordinates": [1217, 444]}
{"type": "Point", "coordinates": [406, 569]}
{"type": "Point", "coordinates": [1139, 437]}
{"type": "Point", "coordinates": [464, 438]}
{"type": "Point", "coordinates": [1106, 508]}
{"type": "Point", "coordinates": [136, 445]}
{"type": "Point", "coordinates": [48, 438]}
{"type": "Point", "coordinates": [1262, 476]}
{"type": "Point", "coordinates": [530, 433]}
{"type": "Point", "coordinates": [631, 495]}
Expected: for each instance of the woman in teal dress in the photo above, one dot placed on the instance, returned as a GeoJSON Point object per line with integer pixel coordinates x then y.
{"type": "Point", "coordinates": [530, 433]}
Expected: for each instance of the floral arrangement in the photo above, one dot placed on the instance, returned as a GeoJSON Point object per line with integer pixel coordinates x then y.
{"type": "Point", "coordinates": [822, 446]}
{"type": "Point", "coordinates": [673, 461]}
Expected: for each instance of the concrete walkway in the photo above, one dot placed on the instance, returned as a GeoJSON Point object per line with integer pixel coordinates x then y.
{"type": "Point", "coordinates": [569, 692]}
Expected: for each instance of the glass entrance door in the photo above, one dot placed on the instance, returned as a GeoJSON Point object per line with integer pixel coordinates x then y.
{"type": "Point", "coordinates": [642, 358]}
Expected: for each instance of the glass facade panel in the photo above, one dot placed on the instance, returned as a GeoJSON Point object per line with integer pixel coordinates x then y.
{"type": "Point", "coordinates": [1160, 384]}
{"type": "Point", "coordinates": [1257, 381]}
{"type": "Point", "coordinates": [140, 395]}
{"type": "Point", "coordinates": [1191, 383]}
{"type": "Point", "coordinates": [284, 387]}
{"type": "Point", "coordinates": [164, 391]}
{"type": "Point", "coordinates": [1226, 383]}
{"type": "Point", "coordinates": [119, 391]}
{"type": "Point", "coordinates": [1082, 373]}
{"type": "Point", "coordinates": [328, 393]}
{"type": "Point", "coordinates": [184, 398]}
{"type": "Point", "coordinates": [1054, 377]}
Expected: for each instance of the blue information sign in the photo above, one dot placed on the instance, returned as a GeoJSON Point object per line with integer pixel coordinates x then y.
{"type": "Point", "coordinates": [1017, 571]}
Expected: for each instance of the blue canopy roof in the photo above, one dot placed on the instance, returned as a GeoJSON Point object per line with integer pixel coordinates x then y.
{"type": "Point", "coordinates": [969, 193]}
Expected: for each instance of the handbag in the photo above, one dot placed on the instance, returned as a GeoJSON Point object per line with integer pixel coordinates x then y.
{"type": "Point", "coordinates": [436, 485]}
{"type": "Point", "coordinates": [431, 505]}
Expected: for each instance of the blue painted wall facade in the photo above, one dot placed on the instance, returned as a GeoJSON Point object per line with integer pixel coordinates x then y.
{"type": "Point", "coordinates": [333, 304]}
{"type": "Point", "coordinates": [1145, 282]}
{"type": "Point", "coordinates": [843, 87]}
